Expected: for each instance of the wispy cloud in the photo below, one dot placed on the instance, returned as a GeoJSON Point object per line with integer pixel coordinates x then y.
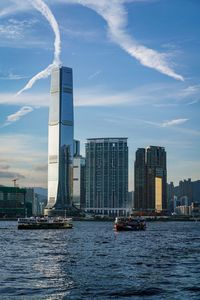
{"type": "Point", "coordinates": [36, 100]}
{"type": "Point", "coordinates": [157, 95]}
{"type": "Point", "coordinates": [173, 125]}
{"type": "Point", "coordinates": [11, 175]}
{"type": "Point", "coordinates": [41, 168]}
{"type": "Point", "coordinates": [11, 76]}
{"type": "Point", "coordinates": [4, 166]}
{"type": "Point", "coordinates": [95, 74]}
{"type": "Point", "coordinates": [115, 15]}
{"type": "Point", "coordinates": [18, 115]}
{"type": "Point", "coordinates": [174, 122]}
{"type": "Point", "coordinates": [15, 29]}
{"type": "Point", "coordinates": [22, 155]}
{"type": "Point", "coordinates": [47, 13]}
{"type": "Point", "coordinates": [12, 7]}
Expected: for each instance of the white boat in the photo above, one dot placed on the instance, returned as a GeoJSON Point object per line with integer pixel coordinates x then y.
{"type": "Point", "coordinates": [45, 223]}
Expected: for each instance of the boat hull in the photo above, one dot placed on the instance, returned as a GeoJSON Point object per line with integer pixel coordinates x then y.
{"type": "Point", "coordinates": [129, 224]}
{"type": "Point", "coordinates": [45, 226]}
{"type": "Point", "coordinates": [129, 228]}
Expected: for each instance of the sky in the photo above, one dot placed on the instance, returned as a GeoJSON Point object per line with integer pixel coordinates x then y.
{"type": "Point", "coordinates": [136, 74]}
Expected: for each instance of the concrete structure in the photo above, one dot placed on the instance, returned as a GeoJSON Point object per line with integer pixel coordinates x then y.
{"type": "Point", "coordinates": [150, 179]}
{"type": "Point", "coordinates": [79, 182]}
{"type": "Point", "coordinates": [60, 142]}
{"type": "Point", "coordinates": [107, 176]}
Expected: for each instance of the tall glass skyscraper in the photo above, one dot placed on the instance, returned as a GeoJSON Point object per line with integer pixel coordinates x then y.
{"type": "Point", "coordinates": [150, 179]}
{"type": "Point", "coordinates": [60, 142]}
{"type": "Point", "coordinates": [107, 176]}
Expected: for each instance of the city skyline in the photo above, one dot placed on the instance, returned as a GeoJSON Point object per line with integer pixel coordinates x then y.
{"type": "Point", "coordinates": [117, 90]}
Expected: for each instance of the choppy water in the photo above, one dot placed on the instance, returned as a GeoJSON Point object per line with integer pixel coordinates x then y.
{"type": "Point", "coordinates": [92, 261]}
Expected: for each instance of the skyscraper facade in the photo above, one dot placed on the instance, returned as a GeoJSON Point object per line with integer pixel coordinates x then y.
{"type": "Point", "coordinates": [79, 182]}
{"type": "Point", "coordinates": [151, 179]}
{"type": "Point", "coordinates": [60, 142]}
{"type": "Point", "coordinates": [106, 175]}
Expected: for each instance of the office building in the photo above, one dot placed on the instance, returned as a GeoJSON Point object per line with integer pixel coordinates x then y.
{"type": "Point", "coordinates": [60, 142]}
{"type": "Point", "coordinates": [76, 147]}
{"type": "Point", "coordinates": [12, 202]}
{"type": "Point", "coordinates": [150, 179]}
{"type": "Point", "coordinates": [107, 176]}
{"type": "Point", "coordinates": [79, 182]}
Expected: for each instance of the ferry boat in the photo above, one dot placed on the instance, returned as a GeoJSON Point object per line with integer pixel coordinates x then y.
{"type": "Point", "coordinates": [129, 224]}
{"type": "Point", "coordinates": [45, 223]}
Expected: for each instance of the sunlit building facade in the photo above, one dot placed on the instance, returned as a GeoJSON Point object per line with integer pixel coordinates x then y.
{"type": "Point", "coordinates": [60, 142]}
{"type": "Point", "coordinates": [151, 179]}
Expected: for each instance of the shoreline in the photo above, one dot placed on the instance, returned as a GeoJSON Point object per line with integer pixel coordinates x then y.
{"type": "Point", "coordinates": [154, 219]}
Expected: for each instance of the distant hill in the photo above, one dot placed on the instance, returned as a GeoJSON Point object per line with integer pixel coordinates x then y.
{"type": "Point", "coordinates": [41, 191]}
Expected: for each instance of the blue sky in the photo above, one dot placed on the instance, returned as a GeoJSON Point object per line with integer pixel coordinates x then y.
{"type": "Point", "coordinates": [136, 74]}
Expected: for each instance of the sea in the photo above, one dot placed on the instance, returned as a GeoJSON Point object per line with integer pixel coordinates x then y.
{"type": "Point", "coordinates": [92, 261]}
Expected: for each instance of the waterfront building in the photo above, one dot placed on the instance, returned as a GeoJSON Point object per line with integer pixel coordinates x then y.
{"type": "Point", "coordinates": [170, 194]}
{"type": "Point", "coordinates": [79, 182]}
{"type": "Point", "coordinates": [140, 180]}
{"type": "Point", "coordinates": [60, 142]}
{"type": "Point", "coordinates": [150, 179]}
{"type": "Point", "coordinates": [107, 176]}
{"type": "Point", "coordinates": [12, 202]}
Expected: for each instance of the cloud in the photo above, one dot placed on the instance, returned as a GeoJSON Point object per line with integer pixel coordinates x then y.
{"type": "Point", "coordinates": [12, 7]}
{"type": "Point", "coordinates": [174, 122]}
{"type": "Point", "coordinates": [36, 100]}
{"type": "Point", "coordinates": [41, 168]}
{"type": "Point", "coordinates": [22, 154]}
{"type": "Point", "coordinates": [173, 126]}
{"type": "Point", "coordinates": [11, 76]}
{"type": "Point", "coordinates": [157, 95]}
{"type": "Point", "coordinates": [14, 29]}
{"type": "Point", "coordinates": [10, 175]}
{"type": "Point", "coordinates": [47, 13]}
{"type": "Point", "coordinates": [115, 15]}
{"type": "Point", "coordinates": [18, 115]}
{"type": "Point", "coordinates": [4, 166]}
{"type": "Point", "coordinates": [95, 74]}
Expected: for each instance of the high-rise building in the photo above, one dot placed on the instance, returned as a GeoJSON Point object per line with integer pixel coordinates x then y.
{"type": "Point", "coordinates": [12, 202]}
{"type": "Point", "coordinates": [76, 147]}
{"type": "Point", "coordinates": [60, 142]}
{"type": "Point", "coordinates": [151, 179]}
{"type": "Point", "coordinates": [79, 182]}
{"type": "Point", "coordinates": [107, 175]}
{"type": "Point", "coordinates": [140, 180]}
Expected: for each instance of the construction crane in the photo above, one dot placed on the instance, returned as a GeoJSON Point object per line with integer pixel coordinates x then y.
{"type": "Point", "coordinates": [15, 182]}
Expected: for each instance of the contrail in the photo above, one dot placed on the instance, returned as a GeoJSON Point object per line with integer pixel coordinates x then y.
{"type": "Point", "coordinates": [114, 13]}
{"type": "Point", "coordinates": [46, 12]}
